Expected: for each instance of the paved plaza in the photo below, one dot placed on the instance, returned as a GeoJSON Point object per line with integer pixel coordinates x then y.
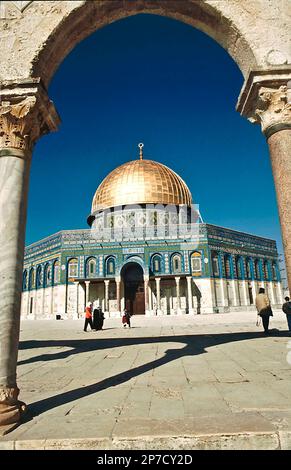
{"type": "Point", "coordinates": [206, 381]}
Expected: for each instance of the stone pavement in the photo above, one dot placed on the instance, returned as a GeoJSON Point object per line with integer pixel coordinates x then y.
{"type": "Point", "coordinates": [183, 382]}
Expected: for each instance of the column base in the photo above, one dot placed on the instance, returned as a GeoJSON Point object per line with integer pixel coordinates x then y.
{"type": "Point", "coordinates": [11, 409]}
{"type": "Point", "coordinates": [149, 313]}
{"type": "Point", "coordinates": [181, 311]}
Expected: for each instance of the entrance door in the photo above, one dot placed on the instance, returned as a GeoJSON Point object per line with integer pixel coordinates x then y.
{"type": "Point", "coordinates": [132, 274]}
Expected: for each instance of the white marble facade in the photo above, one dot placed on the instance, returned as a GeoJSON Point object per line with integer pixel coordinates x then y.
{"type": "Point", "coordinates": [208, 296]}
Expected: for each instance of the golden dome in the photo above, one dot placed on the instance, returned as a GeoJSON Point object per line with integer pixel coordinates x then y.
{"type": "Point", "coordinates": [141, 182]}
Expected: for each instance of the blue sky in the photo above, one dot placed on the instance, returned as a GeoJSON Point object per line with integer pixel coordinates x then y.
{"type": "Point", "coordinates": [154, 80]}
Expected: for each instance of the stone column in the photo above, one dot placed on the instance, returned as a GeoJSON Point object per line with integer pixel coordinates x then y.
{"type": "Point", "coordinates": [146, 294]}
{"type": "Point", "coordinates": [118, 296]}
{"type": "Point", "coordinates": [235, 291]}
{"type": "Point", "coordinates": [272, 293]}
{"type": "Point", "coordinates": [158, 290]}
{"type": "Point", "coordinates": [25, 114]}
{"type": "Point", "coordinates": [77, 299]}
{"type": "Point", "coordinates": [43, 300]}
{"type": "Point", "coordinates": [190, 295]}
{"type": "Point", "coordinates": [52, 300]}
{"type": "Point", "coordinates": [87, 292]}
{"type": "Point", "coordinates": [150, 299]}
{"type": "Point", "coordinates": [254, 289]}
{"type": "Point", "coordinates": [246, 299]}
{"type": "Point", "coordinates": [224, 293]}
{"type": "Point", "coordinates": [266, 99]}
{"type": "Point", "coordinates": [177, 279]}
{"type": "Point", "coordinates": [106, 306]}
{"type": "Point", "coordinates": [28, 300]}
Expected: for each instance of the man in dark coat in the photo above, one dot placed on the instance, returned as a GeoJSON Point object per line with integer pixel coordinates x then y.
{"type": "Point", "coordinates": [100, 320]}
{"type": "Point", "coordinates": [287, 309]}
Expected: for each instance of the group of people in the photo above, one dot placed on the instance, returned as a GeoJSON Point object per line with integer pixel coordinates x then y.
{"type": "Point", "coordinates": [263, 306]}
{"type": "Point", "coordinates": [264, 309]}
{"type": "Point", "coordinates": [96, 319]}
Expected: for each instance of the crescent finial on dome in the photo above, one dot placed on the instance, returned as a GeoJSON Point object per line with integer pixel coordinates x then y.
{"type": "Point", "coordinates": [141, 146]}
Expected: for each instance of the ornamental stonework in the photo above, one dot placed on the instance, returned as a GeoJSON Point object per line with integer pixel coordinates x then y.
{"type": "Point", "coordinates": [19, 125]}
{"type": "Point", "coordinates": [272, 108]}
{"type": "Point", "coordinates": [26, 113]}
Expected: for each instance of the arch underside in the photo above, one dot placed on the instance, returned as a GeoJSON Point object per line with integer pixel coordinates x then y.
{"type": "Point", "coordinates": [92, 15]}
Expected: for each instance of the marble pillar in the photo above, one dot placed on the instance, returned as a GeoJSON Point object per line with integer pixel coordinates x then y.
{"type": "Point", "coordinates": [118, 296]}
{"type": "Point", "coordinates": [177, 279]}
{"type": "Point", "coordinates": [235, 291]}
{"type": "Point", "coordinates": [25, 114]}
{"type": "Point", "coordinates": [76, 315]}
{"type": "Point", "coordinates": [106, 302]}
{"type": "Point", "coordinates": [190, 294]}
{"type": "Point", "coordinates": [158, 291]}
{"type": "Point", "coordinates": [146, 295]}
{"type": "Point", "coordinates": [266, 100]}
{"type": "Point", "coordinates": [280, 152]}
{"type": "Point", "coordinates": [87, 293]}
{"type": "Point", "coordinates": [150, 299]}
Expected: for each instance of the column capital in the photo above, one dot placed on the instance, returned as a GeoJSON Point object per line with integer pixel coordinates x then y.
{"type": "Point", "coordinates": [26, 113]}
{"type": "Point", "coordinates": [266, 99]}
{"type": "Point", "coordinates": [118, 279]}
{"type": "Point", "coordinates": [177, 278]}
{"type": "Point", "coordinates": [106, 281]}
{"type": "Point", "coordinates": [87, 283]}
{"type": "Point", "coordinates": [157, 279]}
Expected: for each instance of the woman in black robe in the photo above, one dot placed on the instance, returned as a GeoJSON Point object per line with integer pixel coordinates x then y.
{"type": "Point", "coordinates": [100, 319]}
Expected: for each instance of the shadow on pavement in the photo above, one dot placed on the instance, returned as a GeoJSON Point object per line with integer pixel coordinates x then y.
{"type": "Point", "coordinates": [194, 345]}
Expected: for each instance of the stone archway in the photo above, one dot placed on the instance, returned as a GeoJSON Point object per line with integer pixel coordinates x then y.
{"type": "Point", "coordinates": [36, 36]}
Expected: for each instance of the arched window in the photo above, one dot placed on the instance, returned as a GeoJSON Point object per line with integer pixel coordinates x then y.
{"type": "Point", "coordinates": [248, 268]}
{"type": "Point", "coordinates": [38, 277]}
{"type": "Point", "coordinates": [274, 271]}
{"type": "Point", "coordinates": [56, 272]}
{"type": "Point", "coordinates": [266, 270]}
{"type": "Point", "coordinates": [176, 263]}
{"type": "Point", "coordinates": [31, 282]}
{"type": "Point", "coordinates": [91, 267]}
{"type": "Point", "coordinates": [239, 267]}
{"type": "Point", "coordinates": [47, 275]}
{"type": "Point", "coordinates": [156, 264]}
{"type": "Point", "coordinates": [257, 270]}
{"type": "Point", "coordinates": [24, 280]}
{"type": "Point", "coordinates": [73, 267]}
{"type": "Point", "coordinates": [110, 266]}
{"type": "Point", "coordinates": [227, 266]}
{"type": "Point", "coordinates": [215, 264]}
{"type": "Point", "coordinates": [196, 262]}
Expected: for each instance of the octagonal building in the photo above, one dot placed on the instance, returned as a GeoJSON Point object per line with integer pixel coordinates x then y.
{"type": "Point", "coordinates": [147, 250]}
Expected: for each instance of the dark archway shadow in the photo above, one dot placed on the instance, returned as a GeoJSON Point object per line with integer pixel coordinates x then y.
{"type": "Point", "coordinates": [194, 345]}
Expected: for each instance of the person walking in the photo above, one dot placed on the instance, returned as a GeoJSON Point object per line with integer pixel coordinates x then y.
{"type": "Point", "coordinates": [88, 316]}
{"type": "Point", "coordinates": [100, 319]}
{"type": "Point", "coordinates": [287, 310]}
{"type": "Point", "coordinates": [95, 316]}
{"type": "Point", "coordinates": [264, 309]}
{"type": "Point", "coordinates": [126, 318]}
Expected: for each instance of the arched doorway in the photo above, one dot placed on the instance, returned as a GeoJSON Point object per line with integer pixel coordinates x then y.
{"type": "Point", "coordinates": [134, 297]}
